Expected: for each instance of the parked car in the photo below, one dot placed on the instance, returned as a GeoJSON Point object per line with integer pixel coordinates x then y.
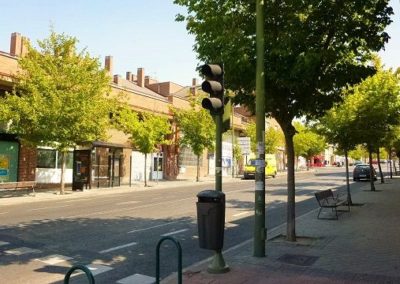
{"type": "Point", "coordinates": [362, 172]}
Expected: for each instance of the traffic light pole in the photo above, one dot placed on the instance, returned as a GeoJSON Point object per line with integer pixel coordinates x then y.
{"type": "Point", "coordinates": [260, 233]}
{"type": "Point", "coordinates": [217, 264]}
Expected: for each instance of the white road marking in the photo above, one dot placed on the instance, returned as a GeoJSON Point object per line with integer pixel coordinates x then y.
{"type": "Point", "coordinates": [174, 233]}
{"type": "Point", "coordinates": [98, 268]}
{"type": "Point", "coordinates": [137, 279]}
{"type": "Point", "coordinates": [230, 225]}
{"type": "Point", "coordinates": [242, 213]}
{"type": "Point", "coordinates": [127, 202]}
{"type": "Point", "coordinates": [52, 207]}
{"type": "Point", "coordinates": [149, 228]}
{"type": "Point", "coordinates": [54, 259]}
{"type": "Point", "coordinates": [106, 212]}
{"type": "Point", "coordinates": [4, 243]}
{"type": "Point", "coordinates": [22, 250]}
{"type": "Point", "coordinates": [118, 247]}
{"type": "Point", "coordinates": [76, 199]}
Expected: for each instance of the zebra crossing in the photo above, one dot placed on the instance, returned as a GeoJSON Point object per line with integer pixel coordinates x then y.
{"type": "Point", "coordinates": [58, 260]}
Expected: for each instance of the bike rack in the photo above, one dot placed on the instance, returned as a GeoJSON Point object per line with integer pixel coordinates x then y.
{"type": "Point", "coordinates": [178, 246]}
{"type": "Point", "coordinates": [84, 268]}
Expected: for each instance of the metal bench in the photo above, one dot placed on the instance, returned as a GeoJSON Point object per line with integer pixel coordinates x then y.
{"type": "Point", "coordinates": [16, 185]}
{"type": "Point", "coordinates": [326, 199]}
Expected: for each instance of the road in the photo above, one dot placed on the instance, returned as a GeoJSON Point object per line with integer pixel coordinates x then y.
{"type": "Point", "coordinates": [116, 235]}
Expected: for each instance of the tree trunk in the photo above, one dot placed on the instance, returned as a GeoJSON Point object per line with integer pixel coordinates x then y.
{"type": "Point", "coordinates": [291, 202]}
{"type": "Point", "coordinates": [198, 169]}
{"type": "Point", "coordinates": [62, 181]}
{"type": "Point", "coordinates": [349, 201]}
{"type": "Point", "coordinates": [145, 169]}
{"type": "Point", "coordinates": [379, 166]}
{"type": "Point", "coordinates": [390, 166]}
{"type": "Point", "coordinates": [371, 171]}
{"type": "Point", "coordinates": [395, 169]}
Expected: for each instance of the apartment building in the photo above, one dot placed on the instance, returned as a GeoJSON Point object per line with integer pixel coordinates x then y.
{"type": "Point", "coordinates": [113, 162]}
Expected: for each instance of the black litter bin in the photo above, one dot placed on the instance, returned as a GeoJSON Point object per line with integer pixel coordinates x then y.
{"type": "Point", "coordinates": [211, 219]}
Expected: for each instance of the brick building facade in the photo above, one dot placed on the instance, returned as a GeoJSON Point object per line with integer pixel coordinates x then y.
{"type": "Point", "coordinates": [115, 159]}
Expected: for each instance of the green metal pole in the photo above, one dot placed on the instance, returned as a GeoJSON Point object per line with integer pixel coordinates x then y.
{"type": "Point", "coordinates": [218, 152]}
{"type": "Point", "coordinates": [259, 204]}
{"type": "Point", "coordinates": [217, 264]}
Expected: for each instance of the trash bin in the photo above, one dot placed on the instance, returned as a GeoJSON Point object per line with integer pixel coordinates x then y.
{"type": "Point", "coordinates": [211, 219]}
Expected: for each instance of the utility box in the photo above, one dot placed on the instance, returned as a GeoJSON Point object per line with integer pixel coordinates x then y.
{"type": "Point", "coordinates": [211, 219]}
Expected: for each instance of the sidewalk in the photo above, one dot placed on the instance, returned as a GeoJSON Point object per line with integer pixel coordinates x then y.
{"type": "Point", "coordinates": [363, 246]}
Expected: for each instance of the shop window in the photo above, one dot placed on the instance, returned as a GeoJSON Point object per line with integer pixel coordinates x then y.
{"type": "Point", "coordinates": [46, 158]}
{"type": "Point", "coordinates": [50, 159]}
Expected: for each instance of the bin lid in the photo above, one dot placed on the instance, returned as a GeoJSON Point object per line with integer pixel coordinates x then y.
{"type": "Point", "coordinates": [211, 194]}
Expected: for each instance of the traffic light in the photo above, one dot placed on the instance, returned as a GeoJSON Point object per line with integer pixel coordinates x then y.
{"type": "Point", "coordinates": [214, 85]}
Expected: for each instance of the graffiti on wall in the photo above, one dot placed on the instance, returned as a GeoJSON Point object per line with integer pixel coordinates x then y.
{"type": "Point", "coordinates": [4, 168]}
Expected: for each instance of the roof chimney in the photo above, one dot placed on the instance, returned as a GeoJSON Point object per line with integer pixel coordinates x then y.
{"type": "Point", "coordinates": [24, 46]}
{"type": "Point", "coordinates": [117, 79]}
{"type": "Point", "coordinates": [193, 87]}
{"type": "Point", "coordinates": [140, 77]}
{"type": "Point", "coordinates": [16, 44]}
{"type": "Point", "coordinates": [146, 80]}
{"type": "Point", "coordinates": [109, 64]}
{"type": "Point", "coordinates": [129, 76]}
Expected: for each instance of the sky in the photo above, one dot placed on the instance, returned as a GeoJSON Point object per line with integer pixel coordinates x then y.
{"type": "Point", "coordinates": [137, 33]}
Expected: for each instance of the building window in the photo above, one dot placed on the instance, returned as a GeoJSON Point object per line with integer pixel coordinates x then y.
{"type": "Point", "coordinates": [188, 158]}
{"type": "Point", "coordinates": [46, 158]}
{"type": "Point", "coordinates": [51, 159]}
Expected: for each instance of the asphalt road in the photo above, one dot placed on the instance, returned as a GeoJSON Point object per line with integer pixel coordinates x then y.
{"type": "Point", "coordinates": [117, 234]}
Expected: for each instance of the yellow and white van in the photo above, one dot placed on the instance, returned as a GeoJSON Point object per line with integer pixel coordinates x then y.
{"type": "Point", "coordinates": [270, 167]}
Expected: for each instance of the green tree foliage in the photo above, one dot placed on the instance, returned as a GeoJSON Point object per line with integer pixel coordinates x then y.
{"type": "Point", "coordinates": [273, 138]}
{"type": "Point", "coordinates": [307, 143]}
{"type": "Point", "coordinates": [198, 130]}
{"type": "Point", "coordinates": [312, 50]}
{"type": "Point", "coordinates": [146, 131]}
{"type": "Point", "coordinates": [60, 97]}
{"type": "Point", "coordinates": [358, 153]}
{"type": "Point", "coordinates": [376, 103]}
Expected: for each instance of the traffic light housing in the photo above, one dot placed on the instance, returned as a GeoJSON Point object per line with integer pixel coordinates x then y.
{"type": "Point", "coordinates": [214, 85]}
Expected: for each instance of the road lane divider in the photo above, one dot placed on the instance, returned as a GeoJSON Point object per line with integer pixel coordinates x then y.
{"type": "Point", "coordinates": [152, 227]}
{"type": "Point", "coordinates": [127, 202]}
{"type": "Point", "coordinates": [241, 214]}
{"type": "Point", "coordinates": [51, 207]}
{"type": "Point", "coordinates": [174, 233]}
{"type": "Point", "coordinates": [118, 247]}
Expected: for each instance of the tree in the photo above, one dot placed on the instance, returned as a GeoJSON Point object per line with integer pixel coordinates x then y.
{"type": "Point", "coordinates": [376, 103]}
{"type": "Point", "coordinates": [146, 131]}
{"type": "Point", "coordinates": [273, 138]}
{"type": "Point", "coordinates": [307, 143]}
{"type": "Point", "coordinates": [335, 125]}
{"type": "Point", "coordinates": [60, 97]}
{"type": "Point", "coordinates": [198, 131]}
{"type": "Point", "coordinates": [313, 49]}
{"type": "Point", "coordinates": [359, 153]}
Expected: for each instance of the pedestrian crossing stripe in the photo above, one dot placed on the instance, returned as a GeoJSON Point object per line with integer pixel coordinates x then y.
{"type": "Point", "coordinates": [137, 279]}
